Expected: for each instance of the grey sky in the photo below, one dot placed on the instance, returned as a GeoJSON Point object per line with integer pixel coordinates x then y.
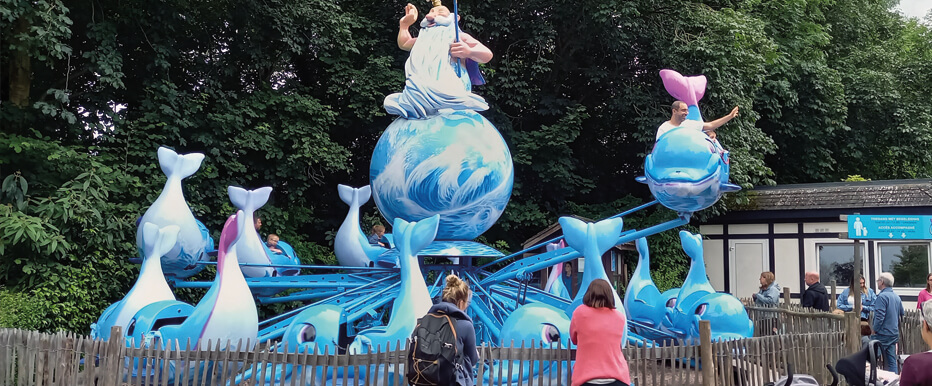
{"type": "Point", "coordinates": [915, 8]}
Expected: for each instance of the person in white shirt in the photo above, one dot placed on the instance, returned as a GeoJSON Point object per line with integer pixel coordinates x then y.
{"type": "Point", "coordinates": [678, 118]}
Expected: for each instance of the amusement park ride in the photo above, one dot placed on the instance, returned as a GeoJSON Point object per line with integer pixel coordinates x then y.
{"type": "Point", "coordinates": [442, 174]}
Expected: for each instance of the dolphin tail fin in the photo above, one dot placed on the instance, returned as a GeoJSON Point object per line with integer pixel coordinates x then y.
{"type": "Point", "coordinates": [414, 236]}
{"type": "Point", "coordinates": [689, 89]}
{"type": "Point", "coordinates": [157, 242]}
{"type": "Point", "coordinates": [180, 165]}
{"type": "Point", "coordinates": [577, 233]}
{"type": "Point", "coordinates": [692, 243]}
{"type": "Point", "coordinates": [348, 194]}
{"type": "Point", "coordinates": [249, 200]}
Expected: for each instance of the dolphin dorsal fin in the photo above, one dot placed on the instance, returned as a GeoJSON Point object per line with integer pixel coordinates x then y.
{"type": "Point", "coordinates": [157, 242]}
{"type": "Point", "coordinates": [349, 194]}
{"type": "Point", "coordinates": [689, 89]}
{"type": "Point", "coordinates": [605, 234]}
{"type": "Point", "coordinates": [249, 200]}
{"type": "Point", "coordinates": [179, 165]}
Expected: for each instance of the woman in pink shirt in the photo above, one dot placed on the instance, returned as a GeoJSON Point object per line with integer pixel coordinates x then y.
{"type": "Point", "coordinates": [597, 329]}
{"type": "Point", "coordinates": [925, 294]}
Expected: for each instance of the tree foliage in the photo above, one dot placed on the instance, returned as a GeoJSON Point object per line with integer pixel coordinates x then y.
{"type": "Point", "coordinates": [288, 94]}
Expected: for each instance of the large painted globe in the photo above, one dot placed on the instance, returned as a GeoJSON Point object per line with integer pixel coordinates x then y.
{"type": "Point", "coordinates": [455, 164]}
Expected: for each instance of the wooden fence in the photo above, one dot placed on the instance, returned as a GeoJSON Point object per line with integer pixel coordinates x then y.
{"type": "Point", "coordinates": [911, 333]}
{"type": "Point", "coordinates": [32, 358]}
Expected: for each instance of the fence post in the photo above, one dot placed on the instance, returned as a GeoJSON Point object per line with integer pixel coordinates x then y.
{"type": "Point", "coordinates": [834, 298]}
{"type": "Point", "coordinates": [705, 352]}
{"type": "Point", "coordinates": [852, 332]}
{"type": "Point", "coordinates": [786, 295]}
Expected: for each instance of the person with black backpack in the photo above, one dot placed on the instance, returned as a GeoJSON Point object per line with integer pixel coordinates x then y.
{"type": "Point", "coordinates": [442, 350]}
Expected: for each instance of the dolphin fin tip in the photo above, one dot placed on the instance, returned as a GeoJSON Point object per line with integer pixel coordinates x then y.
{"type": "Point", "coordinates": [727, 187]}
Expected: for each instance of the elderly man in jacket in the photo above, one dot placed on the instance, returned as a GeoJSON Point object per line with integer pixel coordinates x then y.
{"type": "Point", "coordinates": [888, 309]}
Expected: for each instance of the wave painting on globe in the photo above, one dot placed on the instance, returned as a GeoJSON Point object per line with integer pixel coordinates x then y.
{"type": "Point", "coordinates": [440, 156]}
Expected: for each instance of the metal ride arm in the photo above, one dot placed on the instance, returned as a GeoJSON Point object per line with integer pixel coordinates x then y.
{"type": "Point", "coordinates": [328, 281]}
{"type": "Point", "coordinates": [275, 327]}
{"type": "Point", "coordinates": [544, 260]}
{"type": "Point", "coordinates": [534, 295]}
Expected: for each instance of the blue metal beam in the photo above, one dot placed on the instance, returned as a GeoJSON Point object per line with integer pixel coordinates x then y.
{"type": "Point", "coordinates": [328, 281]}
{"type": "Point", "coordinates": [276, 326]}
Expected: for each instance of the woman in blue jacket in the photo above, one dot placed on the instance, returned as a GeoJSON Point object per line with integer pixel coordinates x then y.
{"type": "Point", "coordinates": [769, 294]}
{"type": "Point", "coordinates": [846, 301]}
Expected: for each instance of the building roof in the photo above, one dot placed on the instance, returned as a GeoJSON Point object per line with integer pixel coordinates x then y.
{"type": "Point", "coordinates": [841, 195]}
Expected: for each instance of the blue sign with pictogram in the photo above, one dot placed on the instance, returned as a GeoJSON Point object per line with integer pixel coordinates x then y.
{"type": "Point", "coordinates": [889, 227]}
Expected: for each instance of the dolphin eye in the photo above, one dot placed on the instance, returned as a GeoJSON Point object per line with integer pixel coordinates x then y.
{"type": "Point", "coordinates": [671, 303]}
{"type": "Point", "coordinates": [308, 333]}
{"type": "Point", "coordinates": [701, 309]}
{"type": "Point", "coordinates": [549, 333]}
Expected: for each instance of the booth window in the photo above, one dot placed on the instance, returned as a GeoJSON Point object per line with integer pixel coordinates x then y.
{"type": "Point", "coordinates": [909, 263]}
{"type": "Point", "coordinates": [836, 262]}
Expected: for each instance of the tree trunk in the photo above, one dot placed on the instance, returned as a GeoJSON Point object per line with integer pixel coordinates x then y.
{"type": "Point", "coordinates": [20, 66]}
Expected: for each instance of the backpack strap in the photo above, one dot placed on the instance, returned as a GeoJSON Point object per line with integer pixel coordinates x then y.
{"type": "Point", "coordinates": [456, 339]}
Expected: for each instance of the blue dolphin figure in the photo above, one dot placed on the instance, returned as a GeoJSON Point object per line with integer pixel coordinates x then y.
{"type": "Point", "coordinates": [643, 300]}
{"type": "Point", "coordinates": [697, 300]}
{"type": "Point", "coordinates": [687, 171]}
{"type": "Point", "coordinates": [170, 208]}
{"type": "Point", "coordinates": [149, 288]}
{"type": "Point", "coordinates": [413, 299]}
{"type": "Point", "coordinates": [592, 240]}
{"type": "Point", "coordinates": [315, 330]}
{"type": "Point", "coordinates": [530, 325]}
{"type": "Point", "coordinates": [351, 245]}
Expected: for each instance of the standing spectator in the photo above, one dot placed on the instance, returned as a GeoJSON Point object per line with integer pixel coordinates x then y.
{"type": "Point", "coordinates": [815, 296]}
{"type": "Point", "coordinates": [257, 221]}
{"type": "Point", "coordinates": [597, 329]}
{"type": "Point", "coordinates": [454, 300]}
{"type": "Point", "coordinates": [926, 294]}
{"type": "Point", "coordinates": [769, 294]}
{"type": "Point", "coordinates": [888, 309]}
{"type": "Point", "coordinates": [846, 300]}
{"type": "Point", "coordinates": [568, 277]}
{"type": "Point", "coordinates": [917, 369]}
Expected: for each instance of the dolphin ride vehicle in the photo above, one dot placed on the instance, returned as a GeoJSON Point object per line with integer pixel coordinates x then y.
{"type": "Point", "coordinates": [442, 174]}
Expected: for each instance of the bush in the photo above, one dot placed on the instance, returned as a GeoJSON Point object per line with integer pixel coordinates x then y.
{"type": "Point", "coordinates": [20, 310]}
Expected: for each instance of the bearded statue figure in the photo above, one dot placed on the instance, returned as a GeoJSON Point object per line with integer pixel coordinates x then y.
{"type": "Point", "coordinates": [441, 69]}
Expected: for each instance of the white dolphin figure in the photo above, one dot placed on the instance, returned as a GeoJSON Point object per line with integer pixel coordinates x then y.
{"type": "Point", "coordinates": [351, 245]}
{"type": "Point", "coordinates": [150, 286]}
{"type": "Point", "coordinates": [170, 208]}
{"type": "Point", "coordinates": [249, 247]}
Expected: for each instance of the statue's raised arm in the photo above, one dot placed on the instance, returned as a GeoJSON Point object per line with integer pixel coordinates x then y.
{"type": "Point", "coordinates": [442, 66]}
